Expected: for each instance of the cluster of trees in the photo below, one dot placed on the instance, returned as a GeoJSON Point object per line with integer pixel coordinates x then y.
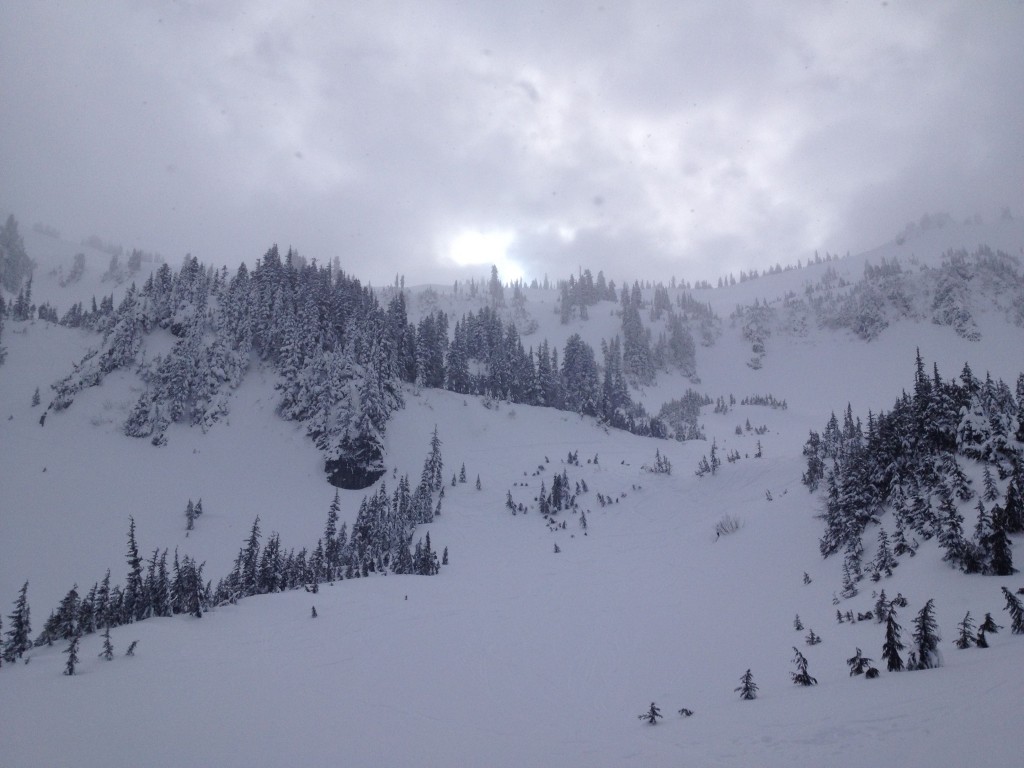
{"type": "Point", "coordinates": [340, 355]}
{"type": "Point", "coordinates": [923, 653]}
{"type": "Point", "coordinates": [381, 540]}
{"type": "Point", "coordinates": [15, 265]}
{"type": "Point", "coordinates": [152, 588]}
{"type": "Point", "coordinates": [910, 460]}
{"type": "Point", "coordinates": [944, 294]}
{"type": "Point", "coordinates": [575, 295]}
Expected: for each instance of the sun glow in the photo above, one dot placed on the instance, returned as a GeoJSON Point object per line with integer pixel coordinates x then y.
{"type": "Point", "coordinates": [472, 247]}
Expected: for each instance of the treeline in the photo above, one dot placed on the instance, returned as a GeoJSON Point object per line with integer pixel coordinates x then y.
{"type": "Point", "coordinates": [912, 460]}
{"type": "Point", "coordinates": [342, 357]}
{"type": "Point", "coordinates": [381, 540]}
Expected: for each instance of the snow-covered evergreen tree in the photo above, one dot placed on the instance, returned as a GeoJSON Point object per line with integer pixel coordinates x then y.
{"type": "Point", "coordinates": [747, 688]}
{"type": "Point", "coordinates": [926, 639]}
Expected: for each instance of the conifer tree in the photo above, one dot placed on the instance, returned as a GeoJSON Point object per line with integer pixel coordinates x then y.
{"type": "Point", "coordinates": [926, 638]}
{"type": "Point", "coordinates": [797, 624]}
{"type": "Point", "coordinates": [966, 629]}
{"type": "Point", "coordinates": [747, 688]}
{"type": "Point", "coordinates": [812, 638]}
{"type": "Point", "coordinates": [998, 545]}
{"type": "Point", "coordinates": [651, 715]}
{"type": "Point", "coordinates": [858, 664]}
{"type": "Point", "coordinates": [72, 653]}
{"type": "Point", "coordinates": [1016, 610]}
{"type": "Point", "coordinates": [989, 625]}
{"type": "Point", "coordinates": [108, 648]}
{"type": "Point", "coordinates": [18, 636]}
{"type": "Point", "coordinates": [135, 603]}
{"type": "Point", "coordinates": [893, 645]}
{"type": "Point", "coordinates": [801, 676]}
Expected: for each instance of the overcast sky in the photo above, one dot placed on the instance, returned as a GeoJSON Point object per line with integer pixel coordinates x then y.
{"type": "Point", "coordinates": [644, 139]}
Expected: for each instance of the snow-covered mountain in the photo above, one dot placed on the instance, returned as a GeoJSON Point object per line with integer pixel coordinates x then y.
{"type": "Point", "coordinates": [544, 637]}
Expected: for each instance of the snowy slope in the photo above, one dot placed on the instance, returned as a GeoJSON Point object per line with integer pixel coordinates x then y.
{"type": "Point", "coordinates": [513, 655]}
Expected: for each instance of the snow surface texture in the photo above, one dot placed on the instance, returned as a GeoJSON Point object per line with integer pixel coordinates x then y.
{"type": "Point", "coordinates": [514, 655]}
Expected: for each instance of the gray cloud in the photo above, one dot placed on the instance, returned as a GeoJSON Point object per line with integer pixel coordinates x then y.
{"type": "Point", "coordinates": [647, 140]}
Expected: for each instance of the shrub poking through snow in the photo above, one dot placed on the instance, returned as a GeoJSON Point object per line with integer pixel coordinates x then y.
{"type": "Point", "coordinates": [728, 524]}
{"type": "Point", "coordinates": [651, 715]}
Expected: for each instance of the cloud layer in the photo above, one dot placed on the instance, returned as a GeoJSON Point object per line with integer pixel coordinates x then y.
{"type": "Point", "coordinates": [644, 139]}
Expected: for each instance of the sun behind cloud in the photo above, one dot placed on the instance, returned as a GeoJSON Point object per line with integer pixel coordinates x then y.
{"type": "Point", "coordinates": [472, 247]}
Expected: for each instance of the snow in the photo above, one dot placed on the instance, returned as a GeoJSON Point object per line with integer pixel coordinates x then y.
{"type": "Point", "coordinates": [513, 655]}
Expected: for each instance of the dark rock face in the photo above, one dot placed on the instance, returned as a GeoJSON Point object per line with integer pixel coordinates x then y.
{"type": "Point", "coordinates": [351, 474]}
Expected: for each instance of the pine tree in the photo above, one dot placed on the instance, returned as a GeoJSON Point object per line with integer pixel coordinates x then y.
{"type": "Point", "coordinates": [190, 516]}
{"type": "Point", "coordinates": [812, 638]}
{"type": "Point", "coordinates": [884, 561]}
{"type": "Point", "coordinates": [926, 638]}
{"type": "Point", "coordinates": [801, 676]}
{"type": "Point", "coordinates": [108, 648]}
{"type": "Point", "coordinates": [135, 603]}
{"type": "Point", "coordinates": [966, 629]}
{"type": "Point", "coordinates": [999, 546]}
{"type": "Point", "coordinates": [72, 653]}
{"type": "Point", "coordinates": [651, 715]}
{"type": "Point", "coordinates": [893, 645]}
{"type": "Point", "coordinates": [19, 635]}
{"type": "Point", "coordinates": [35, 398]}
{"type": "Point", "coordinates": [989, 625]}
{"type": "Point", "coordinates": [747, 688]}
{"type": "Point", "coordinates": [797, 624]}
{"type": "Point", "coordinates": [1016, 610]}
{"type": "Point", "coordinates": [478, 486]}
{"type": "Point", "coordinates": [858, 664]}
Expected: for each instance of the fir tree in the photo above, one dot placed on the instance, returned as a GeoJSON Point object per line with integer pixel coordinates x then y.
{"type": "Point", "coordinates": [72, 653]}
{"type": "Point", "coordinates": [478, 485]}
{"type": "Point", "coordinates": [1016, 610]}
{"type": "Point", "coordinates": [797, 624]}
{"type": "Point", "coordinates": [35, 398]}
{"type": "Point", "coordinates": [812, 638]}
{"type": "Point", "coordinates": [801, 676]}
{"type": "Point", "coordinates": [108, 648]}
{"type": "Point", "coordinates": [18, 636]}
{"type": "Point", "coordinates": [893, 645]}
{"type": "Point", "coordinates": [989, 625]}
{"type": "Point", "coordinates": [966, 629]}
{"type": "Point", "coordinates": [747, 688]}
{"type": "Point", "coordinates": [135, 603]}
{"type": "Point", "coordinates": [858, 664]}
{"type": "Point", "coordinates": [651, 715]}
{"type": "Point", "coordinates": [926, 638]}
{"type": "Point", "coordinates": [999, 546]}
